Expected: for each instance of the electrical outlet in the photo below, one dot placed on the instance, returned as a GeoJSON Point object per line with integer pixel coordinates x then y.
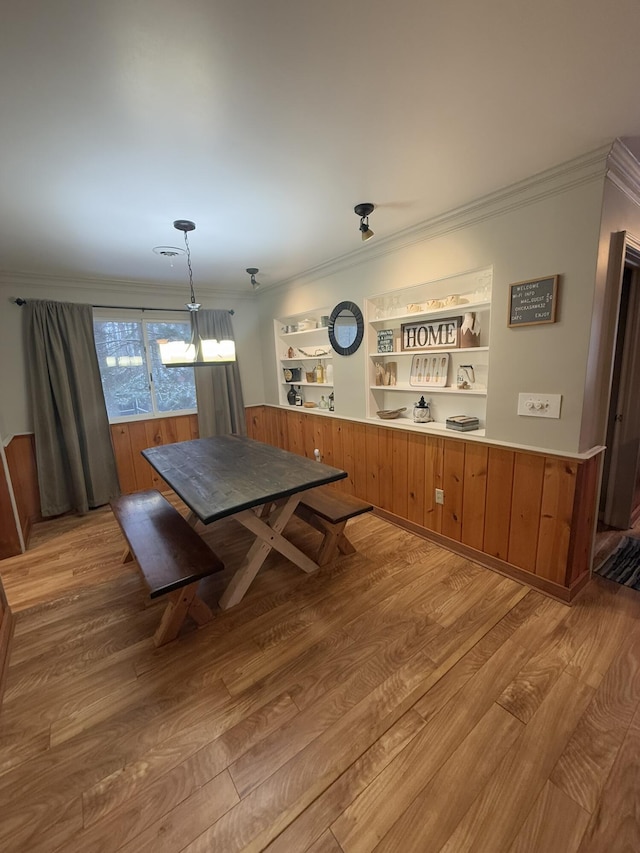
{"type": "Point", "coordinates": [439, 496]}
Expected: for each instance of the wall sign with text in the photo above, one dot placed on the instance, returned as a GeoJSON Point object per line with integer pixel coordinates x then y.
{"type": "Point", "coordinates": [385, 340]}
{"type": "Point", "coordinates": [431, 334]}
{"type": "Point", "coordinates": [534, 301]}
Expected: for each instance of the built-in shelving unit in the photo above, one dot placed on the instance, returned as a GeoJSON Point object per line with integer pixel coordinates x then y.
{"type": "Point", "coordinates": [461, 388]}
{"type": "Point", "coordinates": [303, 357]}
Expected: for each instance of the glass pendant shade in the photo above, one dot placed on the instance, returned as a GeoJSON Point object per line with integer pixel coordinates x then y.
{"type": "Point", "coordinates": [197, 353]}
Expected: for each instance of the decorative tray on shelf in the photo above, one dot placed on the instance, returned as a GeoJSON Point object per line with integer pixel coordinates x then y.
{"type": "Point", "coordinates": [429, 370]}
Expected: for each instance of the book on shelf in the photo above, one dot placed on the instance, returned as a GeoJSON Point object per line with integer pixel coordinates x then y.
{"type": "Point", "coordinates": [462, 423]}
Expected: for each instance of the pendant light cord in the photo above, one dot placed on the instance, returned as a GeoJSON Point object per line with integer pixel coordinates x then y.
{"type": "Point", "coordinates": [193, 295]}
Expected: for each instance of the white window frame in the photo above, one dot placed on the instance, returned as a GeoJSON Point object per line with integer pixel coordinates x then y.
{"type": "Point", "coordinates": [144, 317]}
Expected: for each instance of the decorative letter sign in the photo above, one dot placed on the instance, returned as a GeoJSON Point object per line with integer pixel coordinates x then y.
{"type": "Point", "coordinates": [431, 334]}
{"type": "Point", "coordinates": [533, 302]}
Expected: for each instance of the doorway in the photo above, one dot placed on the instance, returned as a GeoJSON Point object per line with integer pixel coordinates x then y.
{"type": "Point", "coordinates": [619, 508]}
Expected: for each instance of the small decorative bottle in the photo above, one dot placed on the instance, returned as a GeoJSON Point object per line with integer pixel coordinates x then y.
{"type": "Point", "coordinates": [291, 396]}
{"type": "Point", "coordinates": [323, 403]}
{"type": "Point", "coordinates": [319, 372]}
{"type": "Point", "coordinates": [299, 398]}
{"type": "Point", "coordinates": [331, 409]}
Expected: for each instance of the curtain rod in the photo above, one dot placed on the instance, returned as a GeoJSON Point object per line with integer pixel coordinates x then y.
{"type": "Point", "coordinates": [19, 301]}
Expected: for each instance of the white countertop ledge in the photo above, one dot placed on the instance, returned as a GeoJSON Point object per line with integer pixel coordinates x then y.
{"type": "Point", "coordinates": [440, 430]}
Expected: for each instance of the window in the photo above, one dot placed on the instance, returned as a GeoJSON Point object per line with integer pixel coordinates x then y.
{"type": "Point", "coordinates": [134, 382]}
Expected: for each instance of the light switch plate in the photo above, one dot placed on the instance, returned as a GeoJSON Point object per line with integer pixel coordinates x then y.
{"type": "Point", "coordinates": [539, 405]}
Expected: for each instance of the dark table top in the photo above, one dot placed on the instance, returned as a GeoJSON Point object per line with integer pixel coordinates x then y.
{"type": "Point", "coordinates": [220, 476]}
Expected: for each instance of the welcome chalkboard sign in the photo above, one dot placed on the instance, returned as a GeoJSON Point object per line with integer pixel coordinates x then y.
{"type": "Point", "coordinates": [533, 301]}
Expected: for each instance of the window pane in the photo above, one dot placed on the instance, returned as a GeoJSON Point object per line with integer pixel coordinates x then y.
{"type": "Point", "coordinates": [174, 387]}
{"type": "Point", "coordinates": [125, 378]}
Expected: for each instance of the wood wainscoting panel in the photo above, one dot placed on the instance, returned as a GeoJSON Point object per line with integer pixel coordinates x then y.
{"type": "Point", "coordinates": [584, 520]}
{"type": "Point", "coordinates": [415, 477]}
{"type": "Point", "coordinates": [453, 473]}
{"type": "Point", "coordinates": [525, 512]}
{"type": "Point", "coordinates": [556, 513]}
{"type": "Point", "coordinates": [121, 440]}
{"type": "Point", "coordinates": [497, 519]}
{"type": "Point", "coordinates": [295, 433]}
{"type": "Point", "coordinates": [7, 625]}
{"type": "Point", "coordinates": [338, 450]}
{"type": "Point", "coordinates": [360, 459]}
{"type": "Point", "coordinates": [400, 473]}
{"type": "Point", "coordinates": [130, 438]}
{"type": "Point", "coordinates": [526, 500]}
{"type": "Point", "coordinates": [475, 495]}
{"type": "Point", "coordinates": [372, 474]}
{"type": "Point", "coordinates": [9, 535]}
{"type": "Point", "coordinates": [385, 467]}
{"type": "Point", "coordinates": [21, 461]}
{"type": "Point", "coordinates": [433, 476]}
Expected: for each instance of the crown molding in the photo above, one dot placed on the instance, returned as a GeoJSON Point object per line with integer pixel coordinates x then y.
{"type": "Point", "coordinates": [111, 288]}
{"type": "Point", "coordinates": [613, 161]}
{"type": "Point", "coordinates": [623, 170]}
{"type": "Point", "coordinates": [581, 170]}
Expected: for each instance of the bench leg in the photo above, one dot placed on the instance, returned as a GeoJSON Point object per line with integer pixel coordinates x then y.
{"type": "Point", "coordinates": [200, 612]}
{"type": "Point", "coordinates": [334, 538]}
{"type": "Point", "coordinates": [345, 546]}
{"type": "Point", "coordinates": [127, 556]}
{"type": "Point", "coordinates": [330, 542]}
{"type": "Point", "coordinates": [179, 604]}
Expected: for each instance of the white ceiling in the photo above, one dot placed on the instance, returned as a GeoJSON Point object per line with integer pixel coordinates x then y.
{"type": "Point", "coordinates": [266, 121]}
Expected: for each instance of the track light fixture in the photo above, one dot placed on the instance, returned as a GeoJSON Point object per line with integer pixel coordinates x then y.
{"type": "Point", "coordinates": [363, 210]}
{"type": "Point", "coordinates": [253, 271]}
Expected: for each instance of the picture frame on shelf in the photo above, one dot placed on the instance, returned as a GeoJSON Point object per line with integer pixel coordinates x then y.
{"type": "Point", "coordinates": [429, 371]}
{"type": "Point", "coordinates": [385, 340]}
{"type": "Point", "coordinates": [439, 333]}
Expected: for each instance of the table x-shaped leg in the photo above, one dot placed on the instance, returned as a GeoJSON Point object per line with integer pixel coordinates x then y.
{"type": "Point", "coordinates": [268, 535]}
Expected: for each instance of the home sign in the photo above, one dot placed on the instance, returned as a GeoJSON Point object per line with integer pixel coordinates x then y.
{"type": "Point", "coordinates": [431, 334]}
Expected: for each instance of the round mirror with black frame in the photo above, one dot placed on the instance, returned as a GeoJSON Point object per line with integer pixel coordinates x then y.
{"type": "Point", "coordinates": [346, 328]}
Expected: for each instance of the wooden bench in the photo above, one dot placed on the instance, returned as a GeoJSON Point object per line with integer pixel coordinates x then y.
{"type": "Point", "coordinates": [328, 511]}
{"type": "Point", "coordinates": [171, 556]}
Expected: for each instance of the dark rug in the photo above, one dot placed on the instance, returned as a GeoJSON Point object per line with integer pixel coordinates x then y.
{"type": "Point", "coordinates": [623, 566]}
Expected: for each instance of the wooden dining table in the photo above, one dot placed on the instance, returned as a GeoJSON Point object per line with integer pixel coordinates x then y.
{"type": "Point", "coordinates": [257, 484]}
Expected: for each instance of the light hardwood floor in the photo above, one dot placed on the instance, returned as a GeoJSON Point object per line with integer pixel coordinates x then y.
{"type": "Point", "coordinates": [402, 699]}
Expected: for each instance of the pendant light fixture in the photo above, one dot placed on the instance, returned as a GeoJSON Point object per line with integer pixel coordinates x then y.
{"type": "Point", "coordinates": [363, 210]}
{"type": "Point", "coordinates": [200, 351]}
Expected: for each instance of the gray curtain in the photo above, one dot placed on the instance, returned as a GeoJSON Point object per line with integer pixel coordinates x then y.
{"type": "Point", "coordinates": [76, 463]}
{"type": "Point", "coordinates": [218, 388]}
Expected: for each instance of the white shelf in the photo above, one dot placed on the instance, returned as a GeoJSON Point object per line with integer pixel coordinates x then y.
{"type": "Point", "coordinates": [472, 290]}
{"type": "Point", "coordinates": [432, 426]}
{"type": "Point", "coordinates": [316, 410]}
{"type": "Point", "coordinates": [305, 333]}
{"type": "Point", "coordinates": [426, 390]}
{"type": "Point", "coordinates": [449, 311]}
{"type": "Point", "coordinates": [307, 358]}
{"type": "Point", "coordinates": [427, 352]}
{"type": "Point", "coordinates": [310, 384]}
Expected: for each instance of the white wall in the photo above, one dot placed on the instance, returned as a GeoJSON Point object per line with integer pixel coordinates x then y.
{"type": "Point", "coordinates": [16, 417]}
{"type": "Point", "coordinates": [553, 223]}
{"type": "Point", "coordinates": [551, 226]}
